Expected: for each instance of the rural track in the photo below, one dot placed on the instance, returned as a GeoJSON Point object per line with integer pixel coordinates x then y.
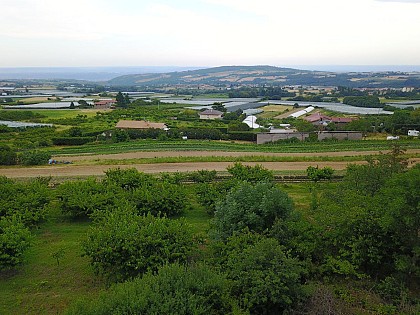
{"type": "Point", "coordinates": [75, 170]}
{"type": "Point", "coordinates": [97, 170]}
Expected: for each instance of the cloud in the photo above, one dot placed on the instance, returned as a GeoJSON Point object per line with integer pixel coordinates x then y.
{"type": "Point", "coordinates": [208, 32]}
{"type": "Point", "coordinates": [404, 1]}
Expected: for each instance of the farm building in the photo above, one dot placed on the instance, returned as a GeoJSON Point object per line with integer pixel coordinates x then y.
{"type": "Point", "coordinates": [104, 104]}
{"type": "Point", "coordinates": [325, 135]}
{"type": "Point", "coordinates": [320, 119]}
{"type": "Point", "coordinates": [211, 114]}
{"type": "Point", "coordinates": [302, 112]}
{"type": "Point", "coordinates": [273, 137]}
{"type": "Point", "coordinates": [340, 135]}
{"type": "Point", "coordinates": [140, 124]}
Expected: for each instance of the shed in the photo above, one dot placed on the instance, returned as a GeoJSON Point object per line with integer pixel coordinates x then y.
{"type": "Point", "coordinates": [211, 114]}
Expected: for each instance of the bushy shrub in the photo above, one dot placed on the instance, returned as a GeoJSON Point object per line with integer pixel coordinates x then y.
{"type": "Point", "coordinates": [120, 135]}
{"type": "Point", "coordinates": [163, 199]}
{"type": "Point", "coordinates": [316, 174]}
{"type": "Point", "coordinates": [28, 200]}
{"type": "Point", "coordinates": [255, 207]}
{"type": "Point", "coordinates": [34, 157]}
{"type": "Point", "coordinates": [122, 244]}
{"type": "Point", "coordinates": [251, 174]}
{"type": "Point", "coordinates": [7, 155]}
{"type": "Point", "coordinates": [265, 280]}
{"type": "Point", "coordinates": [243, 136]}
{"type": "Point", "coordinates": [208, 194]}
{"type": "Point", "coordinates": [175, 289]}
{"type": "Point", "coordinates": [82, 198]}
{"type": "Point", "coordinates": [128, 178]}
{"type": "Point", "coordinates": [203, 176]}
{"type": "Point", "coordinates": [72, 140]}
{"type": "Point", "coordinates": [15, 238]}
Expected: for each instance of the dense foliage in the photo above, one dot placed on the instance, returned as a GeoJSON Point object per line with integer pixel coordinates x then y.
{"type": "Point", "coordinates": [7, 155]}
{"type": "Point", "coordinates": [362, 101]}
{"type": "Point", "coordinates": [252, 174]}
{"type": "Point", "coordinates": [175, 289]}
{"type": "Point", "coordinates": [122, 244]}
{"type": "Point", "coordinates": [15, 238]}
{"type": "Point", "coordinates": [255, 207]}
{"type": "Point", "coordinates": [265, 279]}
{"type": "Point", "coordinates": [28, 201]}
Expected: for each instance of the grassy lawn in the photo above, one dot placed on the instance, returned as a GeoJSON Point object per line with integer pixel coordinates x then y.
{"type": "Point", "coordinates": [63, 113]}
{"type": "Point", "coordinates": [42, 286]}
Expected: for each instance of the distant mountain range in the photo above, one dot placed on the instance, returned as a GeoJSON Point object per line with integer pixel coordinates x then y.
{"type": "Point", "coordinates": [259, 75]}
{"type": "Point", "coordinates": [150, 76]}
{"type": "Point", "coordinates": [98, 74]}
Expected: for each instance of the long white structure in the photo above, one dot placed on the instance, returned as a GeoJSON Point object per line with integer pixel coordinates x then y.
{"type": "Point", "coordinates": [302, 112]}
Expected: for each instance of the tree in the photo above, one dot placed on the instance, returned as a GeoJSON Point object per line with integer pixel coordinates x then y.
{"type": "Point", "coordinates": [249, 173]}
{"type": "Point", "coordinates": [126, 100]}
{"type": "Point", "coordinates": [28, 201]}
{"type": "Point", "coordinates": [369, 178]}
{"type": "Point", "coordinates": [265, 280]}
{"type": "Point", "coordinates": [120, 135]}
{"type": "Point", "coordinates": [219, 106]}
{"type": "Point", "coordinates": [34, 157]}
{"type": "Point", "coordinates": [82, 198]}
{"type": "Point", "coordinates": [255, 207]}
{"type": "Point", "coordinates": [7, 155]}
{"type": "Point", "coordinates": [15, 238]}
{"type": "Point", "coordinates": [401, 219]}
{"type": "Point", "coordinates": [316, 174]}
{"type": "Point", "coordinates": [121, 100]}
{"type": "Point", "coordinates": [122, 245]}
{"type": "Point", "coordinates": [84, 104]}
{"type": "Point", "coordinates": [72, 105]}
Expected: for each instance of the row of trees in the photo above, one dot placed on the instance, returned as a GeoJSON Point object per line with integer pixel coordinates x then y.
{"type": "Point", "coordinates": [261, 256]}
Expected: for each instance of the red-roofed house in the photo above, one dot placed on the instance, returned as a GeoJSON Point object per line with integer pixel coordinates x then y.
{"type": "Point", "coordinates": [104, 104]}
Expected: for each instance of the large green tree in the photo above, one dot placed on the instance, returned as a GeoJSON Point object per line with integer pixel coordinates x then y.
{"type": "Point", "coordinates": [122, 244]}
{"type": "Point", "coordinates": [265, 279]}
{"type": "Point", "coordinates": [253, 206]}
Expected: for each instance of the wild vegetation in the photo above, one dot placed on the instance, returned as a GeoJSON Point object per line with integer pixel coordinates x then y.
{"type": "Point", "coordinates": [264, 248]}
{"type": "Point", "coordinates": [192, 243]}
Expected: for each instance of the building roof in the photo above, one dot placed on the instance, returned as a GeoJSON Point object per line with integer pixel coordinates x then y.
{"type": "Point", "coordinates": [213, 112]}
{"type": "Point", "coordinates": [317, 117]}
{"type": "Point", "coordinates": [106, 102]}
{"type": "Point", "coordinates": [139, 124]}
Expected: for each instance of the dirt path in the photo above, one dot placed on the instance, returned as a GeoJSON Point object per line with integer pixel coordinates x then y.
{"type": "Point", "coordinates": [74, 170]}
{"type": "Point", "coordinates": [158, 154]}
{"type": "Point", "coordinates": [86, 170]}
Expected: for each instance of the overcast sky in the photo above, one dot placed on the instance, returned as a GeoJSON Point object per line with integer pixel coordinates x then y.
{"type": "Point", "coordinates": [209, 32]}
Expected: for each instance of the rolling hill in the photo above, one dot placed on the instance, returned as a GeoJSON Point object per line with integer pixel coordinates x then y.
{"type": "Point", "coordinates": [258, 75]}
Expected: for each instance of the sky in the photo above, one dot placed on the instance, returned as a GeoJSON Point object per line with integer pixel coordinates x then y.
{"type": "Point", "coordinates": [195, 33]}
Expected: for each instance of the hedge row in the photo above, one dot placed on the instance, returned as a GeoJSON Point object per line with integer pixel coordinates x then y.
{"type": "Point", "coordinates": [72, 140]}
